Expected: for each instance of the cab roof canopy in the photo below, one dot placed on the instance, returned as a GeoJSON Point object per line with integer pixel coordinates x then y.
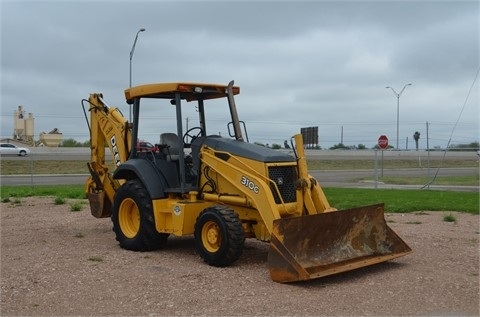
{"type": "Point", "coordinates": [188, 91]}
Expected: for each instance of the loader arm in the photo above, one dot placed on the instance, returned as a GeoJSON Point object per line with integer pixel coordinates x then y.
{"type": "Point", "coordinates": [257, 196]}
{"type": "Point", "coordinates": [107, 126]}
{"type": "Point", "coordinates": [309, 193]}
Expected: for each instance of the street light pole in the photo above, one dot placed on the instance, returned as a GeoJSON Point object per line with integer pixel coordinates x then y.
{"type": "Point", "coordinates": [131, 56]}
{"type": "Point", "coordinates": [398, 107]}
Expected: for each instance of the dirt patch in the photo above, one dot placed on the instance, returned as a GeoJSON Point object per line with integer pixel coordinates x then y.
{"type": "Point", "coordinates": [55, 262]}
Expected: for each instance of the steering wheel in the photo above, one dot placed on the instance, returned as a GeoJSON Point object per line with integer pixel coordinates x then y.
{"type": "Point", "coordinates": [191, 135]}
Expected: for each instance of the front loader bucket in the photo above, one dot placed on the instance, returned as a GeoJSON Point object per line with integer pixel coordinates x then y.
{"type": "Point", "coordinates": [312, 246]}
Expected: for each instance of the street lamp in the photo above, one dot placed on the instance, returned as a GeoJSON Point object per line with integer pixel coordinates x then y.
{"type": "Point", "coordinates": [131, 56]}
{"type": "Point", "coordinates": [398, 105]}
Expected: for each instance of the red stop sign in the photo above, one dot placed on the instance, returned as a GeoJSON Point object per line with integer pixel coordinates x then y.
{"type": "Point", "coordinates": [383, 142]}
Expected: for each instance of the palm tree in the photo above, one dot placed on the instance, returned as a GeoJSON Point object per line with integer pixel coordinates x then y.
{"type": "Point", "coordinates": [416, 137]}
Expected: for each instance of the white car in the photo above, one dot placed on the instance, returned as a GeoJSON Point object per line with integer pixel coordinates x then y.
{"type": "Point", "coordinates": [12, 149]}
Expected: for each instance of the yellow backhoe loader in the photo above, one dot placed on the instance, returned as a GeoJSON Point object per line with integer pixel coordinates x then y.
{"type": "Point", "coordinates": [222, 190]}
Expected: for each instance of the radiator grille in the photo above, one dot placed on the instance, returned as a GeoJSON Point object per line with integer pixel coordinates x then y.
{"type": "Point", "coordinates": [284, 177]}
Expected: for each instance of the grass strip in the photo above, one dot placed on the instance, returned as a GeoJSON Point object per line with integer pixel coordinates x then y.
{"type": "Point", "coordinates": [27, 166]}
{"type": "Point", "coordinates": [60, 191]}
{"type": "Point", "coordinates": [396, 200]}
{"type": "Point", "coordinates": [404, 200]}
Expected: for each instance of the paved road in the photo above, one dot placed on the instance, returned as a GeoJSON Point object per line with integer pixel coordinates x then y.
{"type": "Point", "coordinates": [351, 179]}
{"type": "Point", "coordinates": [50, 179]}
{"type": "Point", "coordinates": [45, 153]}
{"type": "Point", "coordinates": [327, 178]}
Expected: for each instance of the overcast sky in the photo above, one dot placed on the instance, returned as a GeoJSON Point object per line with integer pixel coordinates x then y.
{"type": "Point", "coordinates": [298, 63]}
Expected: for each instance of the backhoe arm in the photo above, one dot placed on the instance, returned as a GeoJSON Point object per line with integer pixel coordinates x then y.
{"type": "Point", "coordinates": [107, 127]}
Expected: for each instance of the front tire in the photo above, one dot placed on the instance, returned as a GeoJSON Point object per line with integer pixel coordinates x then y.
{"type": "Point", "coordinates": [219, 236]}
{"type": "Point", "coordinates": [133, 220]}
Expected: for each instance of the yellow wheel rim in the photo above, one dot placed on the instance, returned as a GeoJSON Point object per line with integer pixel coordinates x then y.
{"type": "Point", "coordinates": [129, 218]}
{"type": "Point", "coordinates": [211, 236]}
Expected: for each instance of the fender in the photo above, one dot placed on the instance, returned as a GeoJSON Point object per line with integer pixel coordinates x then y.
{"type": "Point", "coordinates": [152, 178]}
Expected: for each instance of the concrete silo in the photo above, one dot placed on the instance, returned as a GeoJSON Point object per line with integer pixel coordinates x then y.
{"type": "Point", "coordinates": [23, 127]}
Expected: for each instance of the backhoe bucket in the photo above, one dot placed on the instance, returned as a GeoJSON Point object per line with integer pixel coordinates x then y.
{"type": "Point", "coordinates": [313, 246]}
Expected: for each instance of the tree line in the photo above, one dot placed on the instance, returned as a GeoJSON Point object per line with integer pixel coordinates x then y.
{"type": "Point", "coordinates": [473, 146]}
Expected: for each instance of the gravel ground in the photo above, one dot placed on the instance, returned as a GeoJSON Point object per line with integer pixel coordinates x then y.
{"type": "Point", "coordinates": [55, 262]}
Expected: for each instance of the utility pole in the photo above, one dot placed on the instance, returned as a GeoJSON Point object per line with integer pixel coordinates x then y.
{"type": "Point", "coordinates": [428, 160]}
{"type": "Point", "coordinates": [398, 107]}
{"type": "Point", "coordinates": [131, 56]}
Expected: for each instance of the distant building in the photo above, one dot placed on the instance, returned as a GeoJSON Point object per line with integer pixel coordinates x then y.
{"type": "Point", "coordinates": [24, 131]}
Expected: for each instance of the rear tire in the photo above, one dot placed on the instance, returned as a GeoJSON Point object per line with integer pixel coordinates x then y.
{"type": "Point", "coordinates": [133, 220]}
{"type": "Point", "coordinates": [219, 236]}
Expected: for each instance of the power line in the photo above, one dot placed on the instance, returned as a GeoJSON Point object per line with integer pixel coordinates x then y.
{"type": "Point", "coordinates": [453, 129]}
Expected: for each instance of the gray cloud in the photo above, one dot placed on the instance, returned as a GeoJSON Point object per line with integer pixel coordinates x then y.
{"type": "Point", "coordinates": [299, 63]}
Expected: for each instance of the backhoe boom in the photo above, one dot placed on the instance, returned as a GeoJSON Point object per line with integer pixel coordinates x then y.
{"type": "Point", "coordinates": [107, 127]}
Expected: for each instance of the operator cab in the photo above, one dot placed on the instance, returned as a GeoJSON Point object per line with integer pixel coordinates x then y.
{"type": "Point", "coordinates": [175, 158]}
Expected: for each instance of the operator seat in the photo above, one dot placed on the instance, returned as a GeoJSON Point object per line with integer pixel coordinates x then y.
{"type": "Point", "coordinates": [172, 140]}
